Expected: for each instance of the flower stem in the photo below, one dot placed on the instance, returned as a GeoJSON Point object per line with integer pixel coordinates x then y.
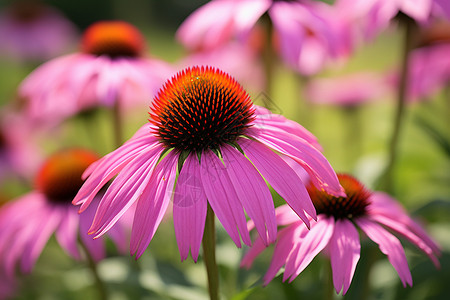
{"type": "Point", "coordinates": [353, 135]}
{"type": "Point", "coordinates": [268, 56]}
{"type": "Point", "coordinates": [117, 124]}
{"type": "Point", "coordinates": [401, 101]}
{"type": "Point", "coordinates": [209, 255]}
{"type": "Point", "coordinates": [93, 266]}
{"type": "Point", "coordinates": [328, 287]}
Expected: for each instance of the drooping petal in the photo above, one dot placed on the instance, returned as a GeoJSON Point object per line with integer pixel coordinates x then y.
{"type": "Point", "coordinates": [96, 247]}
{"type": "Point", "coordinates": [189, 208]}
{"type": "Point", "coordinates": [317, 166]}
{"type": "Point", "coordinates": [103, 170]}
{"type": "Point", "coordinates": [314, 242]}
{"type": "Point", "coordinates": [256, 249]}
{"type": "Point", "coordinates": [281, 177]}
{"type": "Point", "coordinates": [344, 248]}
{"type": "Point", "coordinates": [252, 191]}
{"type": "Point", "coordinates": [390, 246]}
{"type": "Point", "coordinates": [223, 198]}
{"type": "Point", "coordinates": [152, 204]}
{"type": "Point", "coordinates": [126, 188]}
{"type": "Point", "coordinates": [39, 238]}
{"type": "Point", "coordinates": [289, 239]}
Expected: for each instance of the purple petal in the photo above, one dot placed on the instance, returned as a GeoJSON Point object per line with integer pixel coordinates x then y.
{"type": "Point", "coordinates": [252, 191]}
{"type": "Point", "coordinates": [314, 242]}
{"type": "Point", "coordinates": [126, 188]}
{"type": "Point", "coordinates": [189, 208]}
{"type": "Point", "coordinates": [153, 203]}
{"type": "Point", "coordinates": [281, 177]}
{"type": "Point", "coordinates": [256, 249]}
{"type": "Point", "coordinates": [344, 248]}
{"type": "Point", "coordinates": [222, 197]}
{"type": "Point", "coordinates": [390, 246]}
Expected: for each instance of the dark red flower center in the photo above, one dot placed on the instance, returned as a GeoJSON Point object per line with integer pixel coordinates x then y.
{"type": "Point", "coordinates": [2, 140]}
{"type": "Point", "coordinates": [349, 207]}
{"type": "Point", "coordinates": [112, 38]}
{"type": "Point", "coordinates": [60, 176]}
{"type": "Point", "coordinates": [201, 108]}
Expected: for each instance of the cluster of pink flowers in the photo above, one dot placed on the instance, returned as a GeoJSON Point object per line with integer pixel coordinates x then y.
{"type": "Point", "coordinates": [206, 146]}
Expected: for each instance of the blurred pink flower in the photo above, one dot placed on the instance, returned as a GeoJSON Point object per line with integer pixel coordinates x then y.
{"type": "Point", "coordinates": [27, 223]}
{"type": "Point", "coordinates": [335, 233]}
{"type": "Point", "coordinates": [31, 31]}
{"type": "Point", "coordinates": [201, 123]}
{"type": "Point", "coordinates": [376, 15]}
{"type": "Point", "coordinates": [109, 70]}
{"type": "Point", "coordinates": [18, 154]}
{"type": "Point", "coordinates": [348, 90]}
{"type": "Point", "coordinates": [309, 32]}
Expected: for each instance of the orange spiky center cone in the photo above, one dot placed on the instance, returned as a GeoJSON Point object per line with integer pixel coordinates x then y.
{"type": "Point", "coordinates": [60, 176]}
{"type": "Point", "coordinates": [201, 108]}
{"type": "Point", "coordinates": [354, 205]}
{"type": "Point", "coordinates": [114, 39]}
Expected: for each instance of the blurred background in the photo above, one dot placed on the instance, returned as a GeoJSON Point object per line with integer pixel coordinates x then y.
{"type": "Point", "coordinates": [354, 140]}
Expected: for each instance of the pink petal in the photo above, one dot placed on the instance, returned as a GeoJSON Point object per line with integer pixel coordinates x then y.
{"type": "Point", "coordinates": [256, 249]}
{"type": "Point", "coordinates": [289, 241]}
{"type": "Point", "coordinates": [67, 232]}
{"type": "Point", "coordinates": [314, 242]}
{"type": "Point", "coordinates": [95, 247]}
{"type": "Point", "coordinates": [153, 203]}
{"type": "Point", "coordinates": [344, 248]}
{"type": "Point", "coordinates": [281, 177]}
{"type": "Point", "coordinates": [189, 208]}
{"type": "Point", "coordinates": [222, 197]}
{"type": "Point", "coordinates": [322, 174]}
{"type": "Point", "coordinates": [103, 170]}
{"type": "Point", "coordinates": [390, 246]}
{"type": "Point", "coordinates": [252, 191]}
{"type": "Point", "coordinates": [126, 188]}
{"type": "Point", "coordinates": [40, 238]}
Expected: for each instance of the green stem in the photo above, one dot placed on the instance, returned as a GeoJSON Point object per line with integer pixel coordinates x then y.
{"type": "Point", "coordinates": [401, 101]}
{"type": "Point", "coordinates": [117, 124]}
{"type": "Point", "coordinates": [329, 287]}
{"type": "Point", "coordinates": [306, 108]}
{"type": "Point", "coordinates": [93, 267]}
{"type": "Point", "coordinates": [353, 135]}
{"type": "Point", "coordinates": [209, 255]}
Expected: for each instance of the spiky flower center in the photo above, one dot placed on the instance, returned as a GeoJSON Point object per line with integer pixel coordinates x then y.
{"type": "Point", "coordinates": [201, 108]}
{"type": "Point", "coordinates": [60, 176]}
{"type": "Point", "coordinates": [112, 38]}
{"type": "Point", "coordinates": [352, 206]}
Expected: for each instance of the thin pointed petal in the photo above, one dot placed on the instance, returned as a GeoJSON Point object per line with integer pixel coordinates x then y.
{"type": "Point", "coordinates": [189, 208]}
{"type": "Point", "coordinates": [390, 246]}
{"type": "Point", "coordinates": [252, 191]}
{"type": "Point", "coordinates": [344, 250]}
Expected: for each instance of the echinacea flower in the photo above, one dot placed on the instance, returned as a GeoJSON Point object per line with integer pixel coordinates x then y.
{"type": "Point", "coordinates": [346, 91]}
{"type": "Point", "coordinates": [34, 32]}
{"type": "Point", "coordinates": [109, 70]}
{"type": "Point", "coordinates": [204, 127]}
{"type": "Point", "coordinates": [335, 233]}
{"type": "Point", "coordinates": [27, 223]}
{"type": "Point", "coordinates": [309, 33]}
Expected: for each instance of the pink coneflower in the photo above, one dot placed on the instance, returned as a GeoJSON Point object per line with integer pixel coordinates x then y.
{"type": "Point", "coordinates": [109, 70]}
{"type": "Point", "coordinates": [204, 126]}
{"type": "Point", "coordinates": [308, 32]}
{"type": "Point", "coordinates": [335, 232]}
{"type": "Point", "coordinates": [31, 31]}
{"type": "Point", "coordinates": [348, 90]}
{"type": "Point", "coordinates": [27, 223]}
